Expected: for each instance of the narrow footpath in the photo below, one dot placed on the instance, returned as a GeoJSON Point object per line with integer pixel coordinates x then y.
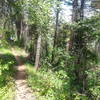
{"type": "Point", "coordinates": [22, 92]}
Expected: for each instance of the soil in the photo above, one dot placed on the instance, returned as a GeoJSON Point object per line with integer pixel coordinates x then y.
{"type": "Point", "coordinates": [22, 92]}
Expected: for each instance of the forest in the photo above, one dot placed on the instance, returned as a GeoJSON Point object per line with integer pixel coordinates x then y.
{"type": "Point", "coordinates": [49, 49]}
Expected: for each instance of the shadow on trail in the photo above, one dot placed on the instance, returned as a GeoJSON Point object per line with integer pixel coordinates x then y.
{"type": "Point", "coordinates": [19, 60]}
{"type": "Point", "coordinates": [26, 60]}
{"type": "Point", "coordinates": [7, 59]}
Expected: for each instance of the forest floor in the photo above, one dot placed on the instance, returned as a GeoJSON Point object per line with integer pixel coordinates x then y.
{"type": "Point", "coordinates": [22, 92]}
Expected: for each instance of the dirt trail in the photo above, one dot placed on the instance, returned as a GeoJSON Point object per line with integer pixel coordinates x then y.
{"type": "Point", "coordinates": [23, 92]}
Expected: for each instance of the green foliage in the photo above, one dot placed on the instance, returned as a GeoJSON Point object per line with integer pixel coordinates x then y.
{"type": "Point", "coordinates": [6, 64]}
{"type": "Point", "coordinates": [7, 91]}
{"type": "Point", "coordinates": [40, 14]}
{"type": "Point", "coordinates": [48, 85]}
{"type": "Point", "coordinates": [59, 61]}
{"type": "Point", "coordinates": [84, 59]}
{"type": "Point", "coordinates": [6, 37]}
{"type": "Point", "coordinates": [93, 82]}
{"type": "Point", "coordinates": [95, 91]}
{"type": "Point", "coordinates": [2, 38]}
{"type": "Point", "coordinates": [7, 61]}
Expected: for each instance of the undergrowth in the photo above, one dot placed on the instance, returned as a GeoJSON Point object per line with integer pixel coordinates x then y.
{"type": "Point", "coordinates": [7, 63]}
{"type": "Point", "coordinates": [48, 85]}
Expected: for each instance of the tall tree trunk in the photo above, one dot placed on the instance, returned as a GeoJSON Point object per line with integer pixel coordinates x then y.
{"type": "Point", "coordinates": [77, 15]}
{"type": "Point", "coordinates": [56, 27]}
{"type": "Point", "coordinates": [56, 30]}
{"type": "Point", "coordinates": [76, 46]}
{"type": "Point", "coordinates": [82, 9]}
{"type": "Point", "coordinates": [37, 59]}
{"type": "Point", "coordinates": [75, 18]}
{"type": "Point", "coordinates": [18, 27]}
{"type": "Point", "coordinates": [25, 28]}
{"type": "Point", "coordinates": [75, 11]}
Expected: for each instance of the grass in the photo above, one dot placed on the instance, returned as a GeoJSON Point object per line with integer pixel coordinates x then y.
{"type": "Point", "coordinates": [7, 63]}
{"type": "Point", "coordinates": [47, 85]}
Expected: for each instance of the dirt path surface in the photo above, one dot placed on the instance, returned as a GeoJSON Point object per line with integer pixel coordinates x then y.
{"type": "Point", "coordinates": [23, 92]}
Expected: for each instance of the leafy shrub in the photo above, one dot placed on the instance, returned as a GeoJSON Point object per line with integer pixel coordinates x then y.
{"type": "Point", "coordinates": [48, 85]}
{"type": "Point", "coordinates": [7, 91]}
{"type": "Point", "coordinates": [7, 62]}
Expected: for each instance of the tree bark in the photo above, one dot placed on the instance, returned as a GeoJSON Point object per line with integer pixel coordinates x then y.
{"type": "Point", "coordinates": [82, 9]}
{"type": "Point", "coordinates": [37, 59]}
{"type": "Point", "coordinates": [56, 31]}
{"type": "Point", "coordinates": [18, 27]}
{"type": "Point", "coordinates": [56, 27]}
{"type": "Point", "coordinates": [75, 11]}
{"type": "Point", "coordinates": [76, 47]}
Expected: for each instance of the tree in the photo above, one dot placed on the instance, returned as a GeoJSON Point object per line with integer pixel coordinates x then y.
{"type": "Point", "coordinates": [77, 47]}
{"type": "Point", "coordinates": [57, 23]}
{"type": "Point", "coordinates": [38, 52]}
{"type": "Point", "coordinates": [56, 28]}
{"type": "Point", "coordinates": [39, 17]}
